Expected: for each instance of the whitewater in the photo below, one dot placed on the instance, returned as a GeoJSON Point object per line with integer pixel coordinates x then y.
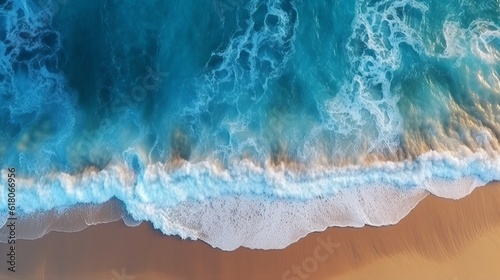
{"type": "Point", "coordinates": [244, 123]}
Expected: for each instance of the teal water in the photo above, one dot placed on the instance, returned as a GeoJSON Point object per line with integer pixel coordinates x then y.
{"type": "Point", "coordinates": [172, 101]}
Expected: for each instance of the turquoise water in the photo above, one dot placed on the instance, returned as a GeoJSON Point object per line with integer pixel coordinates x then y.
{"type": "Point", "coordinates": [161, 102]}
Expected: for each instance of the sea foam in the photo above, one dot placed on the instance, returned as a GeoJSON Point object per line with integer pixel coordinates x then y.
{"type": "Point", "coordinates": [223, 206]}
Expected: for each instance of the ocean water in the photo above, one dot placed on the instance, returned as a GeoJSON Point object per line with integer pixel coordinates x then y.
{"type": "Point", "coordinates": [244, 122]}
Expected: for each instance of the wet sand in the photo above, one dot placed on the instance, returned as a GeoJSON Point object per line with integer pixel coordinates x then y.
{"type": "Point", "coordinates": [439, 239]}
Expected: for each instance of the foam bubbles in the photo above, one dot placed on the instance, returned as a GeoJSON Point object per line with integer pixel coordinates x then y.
{"type": "Point", "coordinates": [454, 39]}
{"type": "Point", "coordinates": [486, 41]}
{"type": "Point", "coordinates": [231, 222]}
{"type": "Point", "coordinates": [480, 38]}
{"type": "Point", "coordinates": [223, 206]}
{"type": "Point", "coordinates": [237, 77]}
{"type": "Point", "coordinates": [365, 109]}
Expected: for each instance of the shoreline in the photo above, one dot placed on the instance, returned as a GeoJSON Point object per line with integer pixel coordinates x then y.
{"type": "Point", "coordinates": [199, 202]}
{"type": "Point", "coordinates": [437, 233]}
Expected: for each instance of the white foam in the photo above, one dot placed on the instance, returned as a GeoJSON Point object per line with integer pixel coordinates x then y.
{"type": "Point", "coordinates": [256, 206]}
{"type": "Point", "coordinates": [231, 222]}
{"type": "Point", "coordinates": [455, 38]}
{"type": "Point", "coordinates": [365, 106]}
{"type": "Point", "coordinates": [483, 35]}
{"type": "Point", "coordinates": [255, 53]}
{"type": "Point", "coordinates": [477, 39]}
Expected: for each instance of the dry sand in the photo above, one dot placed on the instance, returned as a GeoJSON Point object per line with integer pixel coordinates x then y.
{"type": "Point", "coordinates": [439, 239]}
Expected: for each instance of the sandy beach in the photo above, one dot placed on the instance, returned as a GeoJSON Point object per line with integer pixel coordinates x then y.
{"type": "Point", "coordinates": [439, 239]}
